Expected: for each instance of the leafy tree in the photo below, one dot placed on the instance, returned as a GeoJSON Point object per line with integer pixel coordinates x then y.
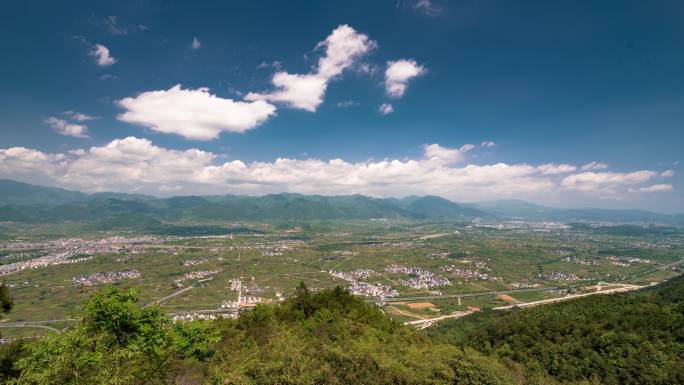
{"type": "Point", "coordinates": [195, 339]}
{"type": "Point", "coordinates": [333, 337]}
{"type": "Point", "coordinates": [9, 353]}
{"type": "Point", "coordinates": [6, 301]}
{"type": "Point", "coordinates": [117, 342]}
{"type": "Point", "coordinates": [635, 338]}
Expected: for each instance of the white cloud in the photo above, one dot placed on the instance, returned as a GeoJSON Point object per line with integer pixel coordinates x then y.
{"type": "Point", "coordinates": [487, 143]}
{"type": "Point", "coordinates": [135, 164]}
{"type": "Point", "coordinates": [386, 109]}
{"type": "Point", "coordinates": [274, 64]}
{"type": "Point", "coordinates": [656, 188]}
{"type": "Point", "coordinates": [553, 169]}
{"type": "Point", "coordinates": [102, 55]}
{"type": "Point", "coordinates": [79, 117]}
{"type": "Point", "coordinates": [297, 91]}
{"type": "Point", "coordinates": [426, 7]}
{"type": "Point", "coordinates": [347, 103]}
{"type": "Point", "coordinates": [398, 73]}
{"type": "Point", "coordinates": [445, 154]}
{"type": "Point", "coordinates": [195, 43]}
{"type": "Point", "coordinates": [667, 173]}
{"type": "Point", "coordinates": [193, 113]}
{"type": "Point", "coordinates": [594, 166]}
{"type": "Point", "coordinates": [605, 181]}
{"type": "Point", "coordinates": [342, 47]}
{"type": "Point", "coordinates": [367, 69]}
{"type": "Point", "coordinates": [112, 23]}
{"type": "Point", "coordinates": [306, 91]}
{"type": "Point", "coordinates": [21, 160]}
{"type": "Point", "coordinates": [63, 127]}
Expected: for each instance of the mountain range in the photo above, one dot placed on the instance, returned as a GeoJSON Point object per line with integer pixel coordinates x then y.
{"type": "Point", "coordinates": [22, 202]}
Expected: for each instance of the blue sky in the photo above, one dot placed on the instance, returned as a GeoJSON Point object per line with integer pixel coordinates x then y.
{"type": "Point", "coordinates": [489, 99]}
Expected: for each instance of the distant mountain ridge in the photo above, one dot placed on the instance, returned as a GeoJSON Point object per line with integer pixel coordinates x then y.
{"type": "Point", "coordinates": [529, 211]}
{"type": "Point", "coordinates": [439, 208]}
{"type": "Point", "coordinates": [19, 193]}
{"type": "Point", "coordinates": [23, 202]}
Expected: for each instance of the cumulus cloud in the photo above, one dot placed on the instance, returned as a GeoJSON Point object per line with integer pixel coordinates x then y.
{"type": "Point", "coordinates": [656, 188]}
{"type": "Point", "coordinates": [135, 164]}
{"type": "Point", "coordinates": [385, 109]}
{"type": "Point", "coordinates": [306, 91]}
{"type": "Point", "coordinates": [297, 91]}
{"type": "Point", "coordinates": [63, 127]}
{"type": "Point", "coordinates": [487, 143]}
{"type": "Point", "coordinates": [102, 55]}
{"type": "Point", "coordinates": [78, 116]}
{"type": "Point", "coordinates": [594, 166]}
{"type": "Point", "coordinates": [667, 173]}
{"type": "Point", "coordinates": [445, 154]}
{"type": "Point", "coordinates": [552, 168]}
{"type": "Point", "coordinates": [193, 113]}
{"type": "Point", "coordinates": [398, 74]}
{"type": "Point", "coordinates": [605, 181]}
{"type": "Point", "coordinates": [195, 43]}
{"type": "Point", "coordinates": [21, 160]}
{"type": "Point", "coordinates": [342, 47]}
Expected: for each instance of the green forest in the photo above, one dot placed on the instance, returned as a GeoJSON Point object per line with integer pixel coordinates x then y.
{"type": "Point", "coordinates": [332, 337]}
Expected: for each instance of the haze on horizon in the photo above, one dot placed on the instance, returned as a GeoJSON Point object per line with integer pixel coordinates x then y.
{"type": "Point", "coordinates": [572, 105]}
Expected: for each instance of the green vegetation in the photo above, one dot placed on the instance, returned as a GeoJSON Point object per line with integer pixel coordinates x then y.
{"type": "Point", "coordinates": [328, 337]}
{"type": "Point", "coordinates": [635, 338]}
{"type": "Point", "coordinates": [332, 337]}
{"type": "Point", "coordinates": [68, 329]}
{"type": "Point", "coordinates": [21, 202]}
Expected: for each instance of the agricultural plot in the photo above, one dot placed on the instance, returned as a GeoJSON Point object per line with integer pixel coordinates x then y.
{"type": "Point", "coordinates": [414, 270]}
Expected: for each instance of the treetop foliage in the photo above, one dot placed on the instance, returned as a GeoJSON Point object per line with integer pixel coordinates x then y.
{"type": "Point", "coordinates": [332, 337]}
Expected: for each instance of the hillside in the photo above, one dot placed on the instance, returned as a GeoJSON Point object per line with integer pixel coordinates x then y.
{"type": "Point", "coordinates": [22, 202]}
{"type": "Point", "coordinates": [328, 337]}
{"type": "Point", "coordinates": [27, 203]}
{"type": "Point", "coordinates": [332, 337]}
{"type": "Point", "coordinates": [24, 194]}
{"type": "Point", "coordinates": [635, 338]}
{"type": "Point", "coordinates": [437, 207]}
{"type": "Point", "coordinates": [513, 208]}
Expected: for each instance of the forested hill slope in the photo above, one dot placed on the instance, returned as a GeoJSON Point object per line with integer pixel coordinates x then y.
{"type": "Point", "coordinates": [635, 338]}
{"type": "Point", "coordinates": [332, 337]}
{"type": "Point", "coordinates": [327, 337]}
{"type": "Point", "coordinates": [26, 203]}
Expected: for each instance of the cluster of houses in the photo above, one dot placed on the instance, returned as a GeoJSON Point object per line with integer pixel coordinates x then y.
{"type": "Point", "coordinates": [109, 277]}
{"type": "Point", "coordinates": [580, 261]}
{"type": "Point", "coordinates": [523, 285]}
{"type": "Point", "coordinates": [71, 250]}
{"type": "Point", "coordinates": [359, 287]}
{"type": "Point", "coordinates": [559, 276]}
{"type": "Point", "coordinates": [61, 258]}
{"type": "Point", "coordinates": [398, 245]}
{"type": "Point", "coordinates": [468, 274]}
{"type": "Point", "coordinates": [199, 274]}
{"type": "Point", "coordinates": [376, 290]}
{"type": "Point", "coordinates": [354, 275]}
{"type": "Point", "coordinates": [419, 278]}
{"type": "Point", "coordinates": [626, 261]}
{"type": "Point", "coordinates": [194, 316]}
{"type": "Point", "coordinates": [194, 262]}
